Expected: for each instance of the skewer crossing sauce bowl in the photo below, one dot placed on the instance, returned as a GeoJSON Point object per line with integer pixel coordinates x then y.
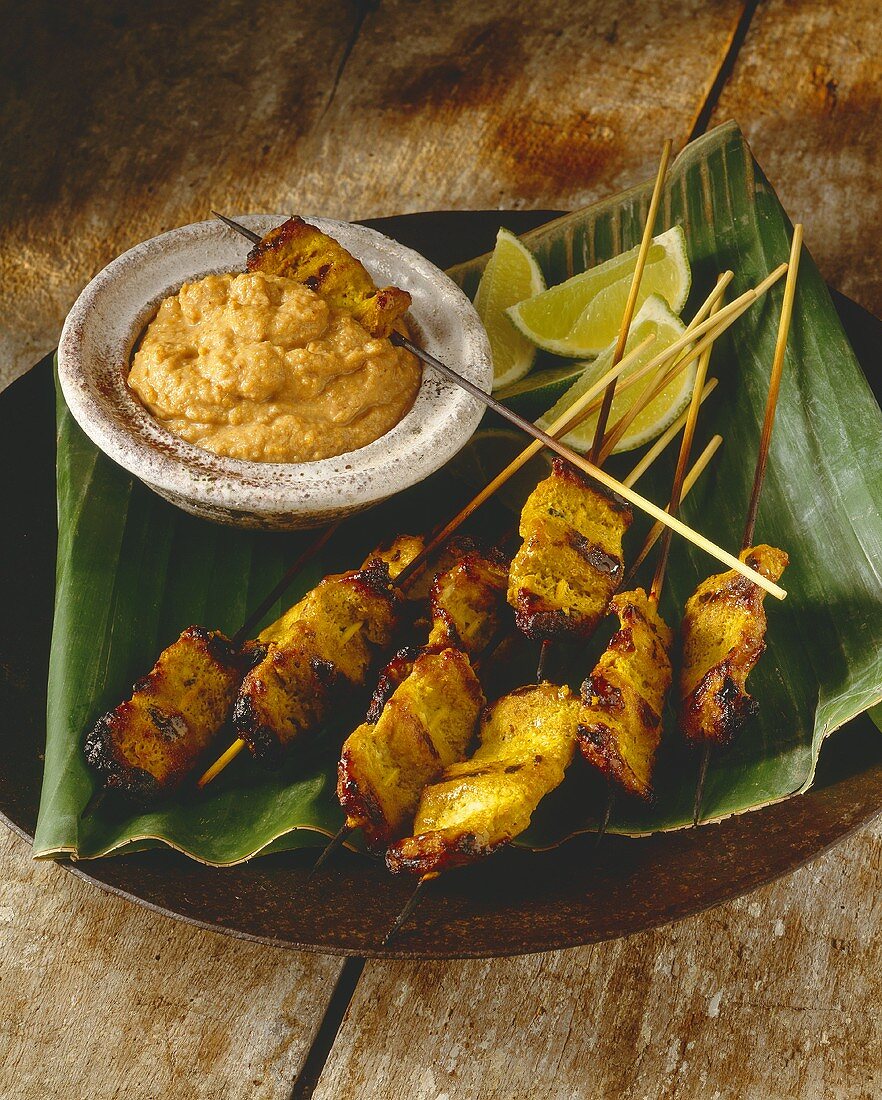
{"type": "Point", "coordinates": [109, 316]}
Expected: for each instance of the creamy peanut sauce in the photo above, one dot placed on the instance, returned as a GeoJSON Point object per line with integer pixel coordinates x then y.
{"type": "Point", "coordinates": [260, 367]}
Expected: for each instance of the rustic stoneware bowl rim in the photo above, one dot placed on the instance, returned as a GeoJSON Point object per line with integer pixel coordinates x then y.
{"type": "Point", "coordinates": [111, 312]}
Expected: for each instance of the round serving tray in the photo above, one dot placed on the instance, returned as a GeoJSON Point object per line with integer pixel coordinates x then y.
{"type": "Point", "coordinates": [515, 903]}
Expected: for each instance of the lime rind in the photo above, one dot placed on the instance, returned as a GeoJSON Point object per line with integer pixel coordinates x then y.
{"type": "Point", "coordinates": [511, 275]}
{"type": "Point", "coordinates": [653, 318]}
{"type": "Point", "coordinates": [579, 317]}
{"type": "Point", "coordinates": [532, 395]}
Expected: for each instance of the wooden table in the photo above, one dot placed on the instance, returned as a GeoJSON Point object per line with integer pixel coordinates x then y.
{"type": "Point", "coordinates": [129, 119]}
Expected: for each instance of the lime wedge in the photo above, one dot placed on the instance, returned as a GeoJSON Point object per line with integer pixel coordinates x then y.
{"type": "Point", "coordinates": [655, 318]}
{"type": "Point", "coordinates": [532, 395]}
{"type": "Point", "coordinates": [511, 275]}
{"type": "Point", "coordinates": [488, 452]}
{"type": "Point", "coordinates": [581, 316]}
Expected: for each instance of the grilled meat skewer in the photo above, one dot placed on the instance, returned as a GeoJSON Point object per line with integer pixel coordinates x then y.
{"type": "Point", "coordinates": [570, 562]}
{"type": "Point", "coordinates": [300, 251]}
{"type": "Point", "coordinates": [424, 711]}
{"type": "Point", "coordinates": [426, 725]}
{"type": "Point", "coordinates": [149, 744]}
{"type": "Point", "coordinates": [620, 721]}
{"type": "Point", "coordinates": [724, 628]}
{"type": "Point", "coordinates": [326, 645]}
{"type": "Point", "coordinates": [724, 625]}
{"type": "Point", "coordinates": [527, 740]}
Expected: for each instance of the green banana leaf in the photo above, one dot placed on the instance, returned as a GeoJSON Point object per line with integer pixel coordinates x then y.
{"type": "Point", "coordinates": [133, 571]}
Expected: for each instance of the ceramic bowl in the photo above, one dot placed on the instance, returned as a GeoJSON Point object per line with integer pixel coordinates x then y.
{"type": "Point", "coordinates": [110, 314]}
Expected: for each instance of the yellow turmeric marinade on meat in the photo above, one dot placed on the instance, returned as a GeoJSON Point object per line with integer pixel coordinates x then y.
{"type": "Point", "coordinates": [300, 251]}
{"type": "Point", "coordinates": [424, 712]}
{"type": "Point", "coordinates": [570, 562]}
{"type": "Point", "coordinates": [620, 722]}
{"type": "Point", "coordinates": [325, 645]}
{"type": "Point", "coordinates": [151, 742]}
{"type": "Point", "coordinates": [527, 740]}
{"type": "Point", "coordinates": [466, 602]}
{"type": "Point", "coordinates": [426, 724]}
{"type": "Point", "coordinates": [723, 636]}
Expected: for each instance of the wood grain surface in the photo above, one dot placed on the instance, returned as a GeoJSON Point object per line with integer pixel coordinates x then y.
{"type": "Point", "coordinates": [807, 90]}
{"type": "Point", "coordinates": [118, 121]}
{"type": "Point", "coordinates": [126, 122]}
{"type": "Point", "coordinates": [102, 998]}
{"type": "Point", "coordinates": [771, 997]}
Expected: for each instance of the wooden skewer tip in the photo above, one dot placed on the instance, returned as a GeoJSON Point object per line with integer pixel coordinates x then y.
{"type": "Point", "coordinates": [222, 761]}
{"type": "Point", "coordinates": [408, 908]}
{"type": "Point", "coordinates": [633, 293]}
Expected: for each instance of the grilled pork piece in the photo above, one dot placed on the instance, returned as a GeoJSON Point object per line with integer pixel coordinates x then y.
{"type": "Point", "coordinates": [298, 250]}
{"type": "Point", "coordinates": [467, 602]}
{"type": "Point", "coordinates": [620, 721]}
{"type": "Point", "coordinates": [150, 743]}
{"type": "Point", "coordinates": [527, 740]}
{"type": "Point", "coordinates": [426, 725]}
{"type": "Point", "coordinates": [570, 562]}
{"type": "Point", "coordinates": [723, 635]}
{"type": "Point", "coordinates": [388, 760]}
{"type": "Point", "coordinates": [326, 644]}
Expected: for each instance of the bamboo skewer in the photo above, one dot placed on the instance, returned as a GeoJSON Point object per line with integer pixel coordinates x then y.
{"type": "Point", "coordinates": [222, 761]}
{"type": "Point", "coordinates": [774, 386]}
{"type": "Point", "coordinates": [680, 472]}
{"type": "Point", "coordinates": [631, 303]}
{"type": "Point", "coordinates": [408, 907]}
{"type": "Point", "coordinates": [762, 453]}
{"type": "Point", "coordinates": [593, 472]}
{"type": "Point", "coordinates": [569, 420]}
{"type": "Point", "coordinates": [336, 841]}
{"type": "Point", "coordinates": [665, 438]}
{"type": "Point", "coordinates": [709, 330]}
{"type": "Point", "coordinates": [658, 529]}
{"type": "Point", "coordinates": [690, 420]}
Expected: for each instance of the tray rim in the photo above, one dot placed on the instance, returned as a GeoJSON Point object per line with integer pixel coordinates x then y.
{"type": "Point", "coordinates": [400, 950]}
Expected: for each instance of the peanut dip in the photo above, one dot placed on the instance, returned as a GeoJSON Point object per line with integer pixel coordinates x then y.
{"type": "Point", "coordinates": [260, 367]}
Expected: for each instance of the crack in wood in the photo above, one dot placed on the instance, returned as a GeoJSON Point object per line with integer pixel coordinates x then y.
{"type": "Point", "coordinates": [703, 116]}
{"type": "Point", "coordinates": [311, 1070]}
{"type": "Point", "coordinates": [363, 10]}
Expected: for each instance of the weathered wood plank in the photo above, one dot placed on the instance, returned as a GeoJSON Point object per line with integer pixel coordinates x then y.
{"type": "Point", "coordinates": [495, 104]}
{"type": "Point", "coordinates": [773, 996]}
{"type": "Point", "coordinates": [116, 124]}
{"type": "Point", "coordinates": [807, 88]}
{"type": "Point", "coordinates": [101, 998]}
